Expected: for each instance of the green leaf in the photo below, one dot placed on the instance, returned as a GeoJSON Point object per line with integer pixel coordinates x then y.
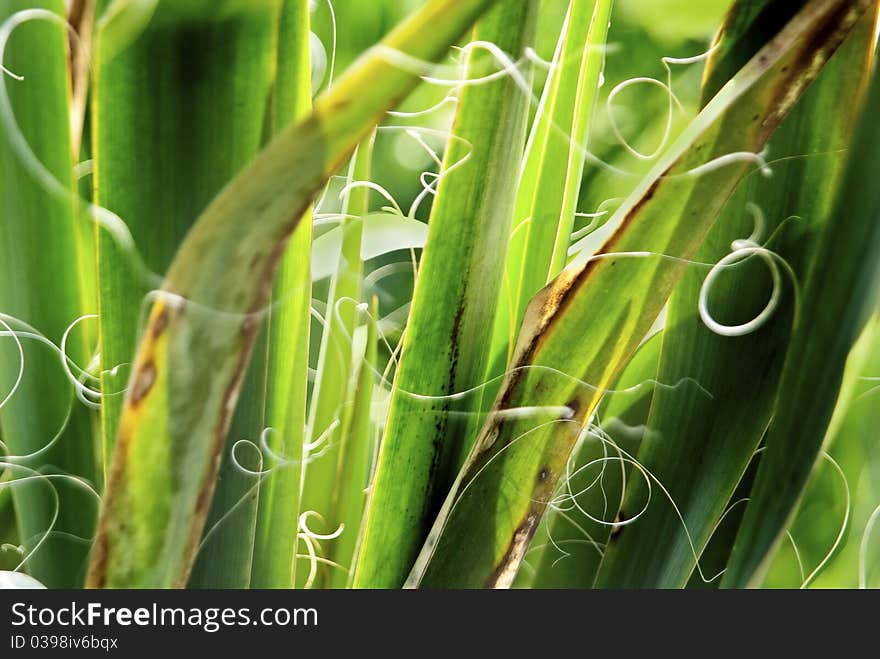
{"type": "Point", "coordinates": [327, 439]}
{"type": "Point", "coordinates": [202, 328]}
{"type": "Point", "coordinates": [549, 186]}
{"type": "Point", "coordinates": [444, 347]}
{"type": "Point", "coordinates": [702, 440]}
{"type": "Point", "coordinates": [356, 462]}
{"type": "Point", "coordinates": [512, 473]}
{"type": "Point", "coordinates": [839, 294]}
{"type": "Point", "coordinates": [157, 167]}
{"type": "Point", "coordinates": [226, 555]}
{"type": "Point", "coordinates": [853, 445]}
{"type": "Point", "coordinates": [569, 546]}
{"type": "Point", "coordinates": [45, 429]}
{"type": "Point", "coordinates": [287, 348]}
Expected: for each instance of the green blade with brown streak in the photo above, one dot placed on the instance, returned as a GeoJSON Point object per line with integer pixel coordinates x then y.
{"type": "Point", "coordinates": [445, 345]}
{"type": "Point", "coordinates": [582, 329]}
{"type": "Point", "coordinates": [201, 330]}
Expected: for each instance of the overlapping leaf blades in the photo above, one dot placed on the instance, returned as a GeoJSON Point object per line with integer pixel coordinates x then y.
{"type": "Point", "coordinates": [702, 440]}
{"type": "Point", "coordinates": [44, 428]}
{"type": "Point", "coordinates": [196, 391]}
{"type": "Point", "coordinates": [443, 352]}
{"type": "Point", "coordinates": [669, 214]}
{"type": "Point", "coordinates": [209, 315]}
{"type": "Point", "coordinates": [835, 305]}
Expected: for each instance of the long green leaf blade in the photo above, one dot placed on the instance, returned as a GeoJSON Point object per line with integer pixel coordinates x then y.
{"type": "Point", "coordinates": [837, 298]}
{"type": "Point", "coordinates": [45, 429]}
{"type": "Point", "coordinates": [287, 350]}
{"type": "Point", "coordinates": [241, 523]}
{"type": "Point", "coordinates": [853, 446]}
{"type": "Point", "coordinates": [157, 167]}
{"type": "Point", "coordinates": [554, 163]}
{"type": "Point", "coordinates": [444, 348]}
{"type": "Point", "coordinates": [355, 465]}
{"type": "Point", "coordinates": [327, 419]}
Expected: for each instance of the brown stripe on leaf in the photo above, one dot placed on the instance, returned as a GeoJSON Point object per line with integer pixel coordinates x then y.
{"type": "Point", "coordinates": [249, 329]}
{"type": "Point", "coordinates": [506, 570]}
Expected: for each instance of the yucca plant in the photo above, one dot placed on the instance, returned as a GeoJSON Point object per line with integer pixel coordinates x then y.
{"type": "Point", "coordinates": [534, 293]}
